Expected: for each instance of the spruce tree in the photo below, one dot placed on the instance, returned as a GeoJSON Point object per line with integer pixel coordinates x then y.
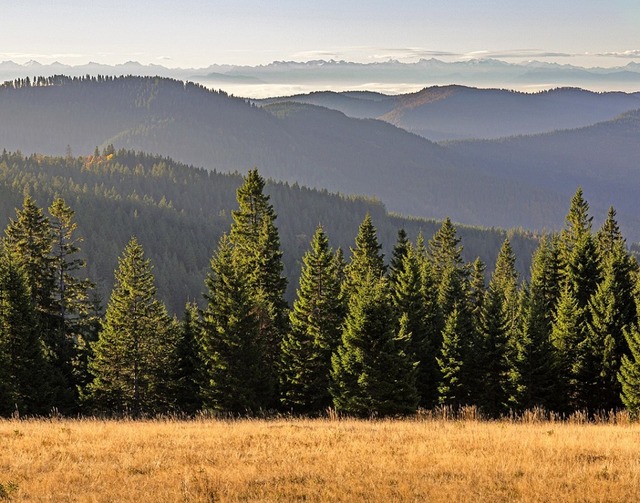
{"type": "Point", "coordinates": [537, 372]}
{"type": "Point", "coordinates": [444, 251]}
{"type": "Point", "coordinates": [409, 302]}
{"type": "Point", "coordinates": [237, 375]}
{"type": "Point", "coordinates": [316, 327]}
{"type": "Point", "coordinates": [452, 389]}
{"type": "Point", "coordinates": [494, 366]}
{"type": "Point", "coordinates": [25, 372]}
{"type": "Point", "coordinates": [612, 310]}
{"type": "Point", "coordinates": [477, 288]}
{"type": "Point", "coordinates": [255, 244]}
{"type": "Point", "coordinates": [366, 258]}
{"type": "Point", "coordinates": [189, 369]}
{"type": "Point", "coordinates": [629, 374]}
{"type": "Point", "coordinates": [135, 351]}
{"type": "Point", "coordinates": [70, 293]}
{"type": "Point", "coordinates": [371, 371]}
{"type": "Point", "coordinates": [567, 333]}
{"type": "Point", "coordinates": [400, 250]}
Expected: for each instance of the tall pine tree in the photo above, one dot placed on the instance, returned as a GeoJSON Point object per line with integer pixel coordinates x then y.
{"type": "Point", "coordinates": [316, 327]}
{"type": "Point", "coordinates": [135, 352]}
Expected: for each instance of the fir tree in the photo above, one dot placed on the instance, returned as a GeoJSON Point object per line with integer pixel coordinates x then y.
{"type": "Point", "coordinates": [189, 367]}
{"type": "Point", "coordinates": [494, 365]}
{"type": "Point", "coordinates": [25, 372]}
{"type": "Point", "coordinates": [452, 389]}
{"type": "Point", "coordinates": [629, 374]}
{"type": "Point", "coordinates": [70, 293]}
{"type": "Point", "coordinates": [444, 251]}
{"type": "Point", "coordinates": [612, 310]}
{"type": "Point", "coordinates": [477, 290]}
{"type": "Point", "coordinates": [316, 326]}
{"type": "Point", "coordinates": [408, 302]}
{"type": "Point", "coordinates": [400, 251]}
{"type": "Point", "coordinates": [366, 258]}
{"type": "Point", "coordinates": [566, 334]}
{"type": "Point", "coordinates": [371, 372]}
{"type": "Point", "coordinates": [256, 247]}
{"type": "Point", "coordinates": [537, 372]}
{"type": "Point", "coordinates": [135, 351]}
{"type": "Point", "coordinates": [236, 372]}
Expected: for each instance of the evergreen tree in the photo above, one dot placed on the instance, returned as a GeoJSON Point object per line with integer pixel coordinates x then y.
{"type": "Point", "coordinates": [566, 334]}
{"type": "Point", "coordinates": [236, 372]}
{"type": "Point", "coordinates": [477, 290]}
{"type": "Point", "coordinates": [612, 310]}
{"type": "Point", "coordinates": [189, 366]}
{"type": "Point", "coordinates": [452, 389]}
{"type": "Point", "coordinates": [70, 293]}
{"type": "Point", "coordinates": [135, 351]}
{"type": "Point", "coordinates": [316, 327]}
{"type": "Point", "coordinates": [400, 251]}
{"type": "Point", "coordinates": [366, 258]}
{"type": "Point", "coordinates": [494, 366]}
{"type": "Point", "coordinates": [371, 372]}
{"type": "Point", "coordinates": [537, 372]}
{"type": "Point", "coordinates": [629, 374]}
{"type": "Point", "coordinates": [29, 238]}
{"type": "Point", "coordinates": [409, 304]}
{"type": "Point", "coordinates": [452, 296]}
{"type": "Point", "coordinates": [256, 247]}
{"type": "Point", "coordinates": [25, 373]}
{"type": "Point", "coordinates": [444, 251]}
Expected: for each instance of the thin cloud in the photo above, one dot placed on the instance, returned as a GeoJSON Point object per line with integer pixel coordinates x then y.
{"type": "Point", "coordinates": [632, 54]}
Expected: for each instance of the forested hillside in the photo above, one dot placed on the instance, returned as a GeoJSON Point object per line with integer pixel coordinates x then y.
{"type": "Point", "coordinates": [179, 212]}
{"type": "Point", "coordinates": [457, 112]}
{"type": "Point", "coordinates": [309, 145]}
{"type": "Point", "coordinates": [363, 336]}
{"type": "Point", "coordinates": [604, 159]}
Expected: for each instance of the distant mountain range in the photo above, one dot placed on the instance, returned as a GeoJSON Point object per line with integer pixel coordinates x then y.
{"type": "Point", "coordinates": [269, 80]}
{"type": "Point", "coordinates": [457, 112]}
{"type": "Point", "coordinates": [525, 181]}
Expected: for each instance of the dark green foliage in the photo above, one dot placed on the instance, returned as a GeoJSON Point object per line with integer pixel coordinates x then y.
{"type": "Point", "coordinates": [371, 372]}
{"type": "Point", "coordinates": [452, 389]}
{"type": "Point", "coordinates": [135, 352]}
{"type": "Point", "coordinates": [189, 371]}
{"type": "Point", "coordinates": [25, 373]}
{"type": "Point", "coordinates": [316, 327]}
{"type": "Point", "coordinates": [256, 249]}
{"type": "Point", "coordinates": [408, 299]}
{"type": "Point", "coordinates": [494, 367]}
{"type": "Point", "coordinates": [567, 333]}
{"type": "Point", "coordinates": [629, 374]}
{"type": "Point", "coordinates": [400, 250]}
{"type": "Point", "coordinates": [612, 310]}
{"type": "Point", "coordinates": [444, 250]}
{"type": "Point", "coordinates": [181, 212]}
{"type": "Point", "coordinates": [366, 258]}
{"type": "Point", "coordinates": [535, 359]}
{"type": "Point", "coordinates": [236, 373]}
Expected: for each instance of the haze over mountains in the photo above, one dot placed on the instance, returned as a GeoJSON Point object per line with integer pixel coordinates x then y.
{"type": "Point", "coordinates": [291, 77]}
{"type": "Point", "coordinates": [458, 112]}
{"type": "Point", "coordinates": [524, 181]}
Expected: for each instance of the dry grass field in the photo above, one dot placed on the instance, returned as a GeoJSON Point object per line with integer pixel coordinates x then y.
{"type": "Point", "coordinates": [317, 460]}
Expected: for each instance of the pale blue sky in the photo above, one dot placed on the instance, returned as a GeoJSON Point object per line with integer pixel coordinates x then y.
{"type": "Point", "coordinates": [197, 33]}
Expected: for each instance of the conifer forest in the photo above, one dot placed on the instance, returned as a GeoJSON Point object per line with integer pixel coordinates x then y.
{"type": "Point", "coordinates": [364, 335]}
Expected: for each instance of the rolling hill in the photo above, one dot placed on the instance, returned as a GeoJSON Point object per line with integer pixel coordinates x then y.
{"type": "Point", "coordinates": [179, 212]}
{"type": "Point", "coordinates": [458, 112]}
{"type": "Point", "coordinates": [305, 144]}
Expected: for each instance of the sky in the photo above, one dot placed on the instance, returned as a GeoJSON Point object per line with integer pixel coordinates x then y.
{"type": "Point", "coordinates": [199, 33]}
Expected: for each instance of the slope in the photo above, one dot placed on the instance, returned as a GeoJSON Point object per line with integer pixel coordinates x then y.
{"type": "Point", "coordinates": [178, 214]}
